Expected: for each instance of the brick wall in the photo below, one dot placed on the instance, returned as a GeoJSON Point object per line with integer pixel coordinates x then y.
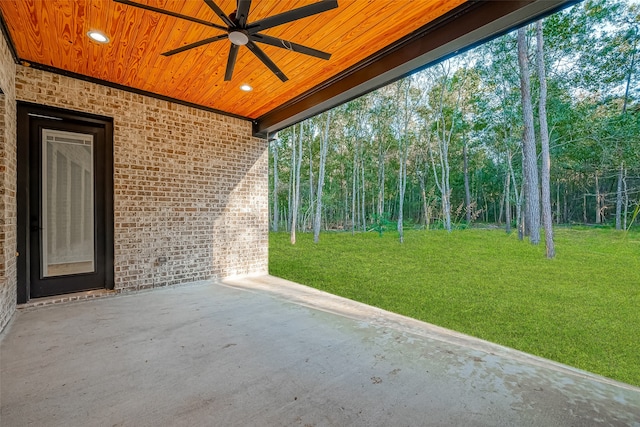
{"type": "Point", "coordinates": [189, 185]}
{"type": "Point", "coordinates": [7, 185]}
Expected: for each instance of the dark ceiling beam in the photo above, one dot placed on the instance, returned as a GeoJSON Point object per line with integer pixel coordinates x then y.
{"type": "Point", "coordinates": [467, 26]}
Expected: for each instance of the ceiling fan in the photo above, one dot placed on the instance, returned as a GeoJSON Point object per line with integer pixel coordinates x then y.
{"type": "Point", "coordinates": [242, 33]}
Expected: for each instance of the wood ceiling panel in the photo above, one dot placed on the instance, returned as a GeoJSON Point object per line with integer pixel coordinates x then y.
{"type": "Point", "coordinates": [53, 33]}
{"type": "Point", "coordinates": [181, 70]}
{"type": "Point", "coordinates": [379, 32]}
{"type": "Point", "coordinates": [294, 64]}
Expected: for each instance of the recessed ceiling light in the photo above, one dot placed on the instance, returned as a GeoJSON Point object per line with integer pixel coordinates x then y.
{"type": "Point", "coordinates": [98, 36]}
{"type": "Point", "coordinates": [246, 88]}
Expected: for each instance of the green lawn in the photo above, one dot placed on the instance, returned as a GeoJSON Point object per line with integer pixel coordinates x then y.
{"type": "Point", "coordinates": [582, 308]}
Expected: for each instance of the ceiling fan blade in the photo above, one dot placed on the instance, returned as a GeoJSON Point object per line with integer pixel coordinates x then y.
{"type": "Point", "coordinates": [231, 62]}
{"type": "Point", "coordinates": [170, 13]}
{"type": "Point", "coordinates": [243, 12]}
{"type": "Point", "coordinates": [213, 6]}
{"type": "Point", "coordinates": [265, 59]}
{"type": "Point", "coordinates": [196, 44]}
{"type": "Point", "coordinates": [284, 44]}
{"type": "Point", "coordinates": [292, 15]}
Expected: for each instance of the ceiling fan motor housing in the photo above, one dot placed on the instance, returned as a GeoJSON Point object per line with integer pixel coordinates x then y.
{"type": "Point", "coordinates": [238, 37]}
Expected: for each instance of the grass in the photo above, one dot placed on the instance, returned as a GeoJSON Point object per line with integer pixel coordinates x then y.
{"type": "Point", "coordinates": [581, 308]}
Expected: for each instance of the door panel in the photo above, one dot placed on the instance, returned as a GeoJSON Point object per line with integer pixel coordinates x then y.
{"type": "Point", "coordinates": [65, 170]}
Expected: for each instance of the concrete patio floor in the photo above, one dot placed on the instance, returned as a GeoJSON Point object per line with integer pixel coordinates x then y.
{"type": "Point", "coordinates": [267, 352]}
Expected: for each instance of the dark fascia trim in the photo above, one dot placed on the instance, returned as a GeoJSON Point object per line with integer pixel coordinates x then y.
{"type": "Point", "coordinates": [130, 89]}
{"type": "Point", "coordinates": [8, 39]}
{"type": "Point", "coordinates": [469, 25]}
{"type": "Point", "coordinates": [64, 113]}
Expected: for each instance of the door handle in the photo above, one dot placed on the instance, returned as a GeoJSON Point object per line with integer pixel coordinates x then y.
{"type": "Point", "coordinates": [35, 228]}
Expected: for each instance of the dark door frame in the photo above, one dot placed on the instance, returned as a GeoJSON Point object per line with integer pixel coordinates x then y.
{"type": "Point", "coordinates": [25, 111]}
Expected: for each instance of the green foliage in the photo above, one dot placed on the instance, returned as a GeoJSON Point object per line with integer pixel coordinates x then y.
{"type": "Point", "coordinates": [472, 101]}
{"type": "Point", "coordinates": [381, 223]}
{"type": "Point", "coordinates": [580, 308]}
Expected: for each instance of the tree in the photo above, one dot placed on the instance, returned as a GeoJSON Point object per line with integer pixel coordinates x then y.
{"type": "Point", "coordinates": [297, 163]}
{"type": "Point", "coordinates": [276, 207]}
{"type": "Point", "coordinates": [530, 164]}
{"type": "Point", "coordinates": [381, 115]}
{"type": "Point", "coordinates": [467, 190]}
{"type": "Point", "coordinates": [324, 146]}
{"type": "Point", "coordinates": [545, 170]}
{"type": "Point", "coordinates": [462, 154]}
{"type": "Point", "coordinates": [498, 68]}
{"type": "Point", "coordinates": [441, 118]}
{"type": "Point", "coordinates": [403, 99]}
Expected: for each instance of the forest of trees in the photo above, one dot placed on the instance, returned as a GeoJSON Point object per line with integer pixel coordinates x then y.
{"type": "Point", "coordinates": [539, 126]}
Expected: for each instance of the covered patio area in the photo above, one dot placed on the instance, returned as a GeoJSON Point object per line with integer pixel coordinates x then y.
{"type": "Point", "coordinates": [265, 351]}
{"type": "Point", "coordinates": [173, 187]}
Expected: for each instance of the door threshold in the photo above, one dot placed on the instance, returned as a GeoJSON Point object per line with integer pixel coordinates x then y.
{"type": "Point", "coordinates": [61, 299]}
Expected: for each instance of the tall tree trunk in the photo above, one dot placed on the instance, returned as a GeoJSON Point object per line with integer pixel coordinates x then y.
{"type": "Point", "coordinates": [467, 192]}
{"type": "Point", "coordinates": [598, 202]}
{"type": "Point", "coordinates": [532, 196]}
{"type": "Point", "coordinates": [311, 200]}
{"type": "Point", "coordinates": [507, 201]}
{"type": "Point", "coordinates": [354, 190]}
{"type": "Point", "coordinates": [276, 211]}
{"type": "Point", "coordinates": [523, 196]}
{"type": "Point", "coordinates": [622, 172]}
{"type": "Point", "coordinates": [402, 183]}
{"type": "Point", "coordinates": [557, 201]}
{"type": "Point", "coordinates": [400, 201]}
{"type": "Point", "coordinates": [284, 214]}
{"type": "Point", "coordinates": [486, 208]}
{"type": "Point", "coordinates": [292, 181]}
{"type": "Point", "coordinates": [519, 214]}
{"type": "Point", "coordinates": [298, 171]}
{"type": "Point", "coordinates": [517, 195]}
{"type": "Point", "coordinates": [443, 136]}
{"type": "Point", "coordinates": [629, 74]}
{"type": "Point", "coordinates": [565, 205]}
{"type": "Point", "coordinates": [363, 211]}
{"type": "Point", "coordinates": [297, 163]}
{"type": "Point", "coordinates": [324, 147]}
{"type": "Point", "coordinates": [619, 197]}
{"type": "Point", "coordinates": [381, 177]}
{"type": "Point", "coordinates": [423, 194]}
{"type": "Point", "coordinates": [626, 199]}
{"type": "Point", "coordinates": [498, 217]}
{"type": "Point", "coordinates": [545, 173]}
{"type": "Point", "coordinates": [403, 148]}
{"type": "Point", "coordinates": [345, 218]}
{"type": "Point", "coordinates": [447, 183]}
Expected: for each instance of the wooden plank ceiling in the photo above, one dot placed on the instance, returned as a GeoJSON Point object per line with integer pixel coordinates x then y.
{"type": "Point", "coordinates": [53, 33]}
{"type": "Point", "coordinates": [372, 42]}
